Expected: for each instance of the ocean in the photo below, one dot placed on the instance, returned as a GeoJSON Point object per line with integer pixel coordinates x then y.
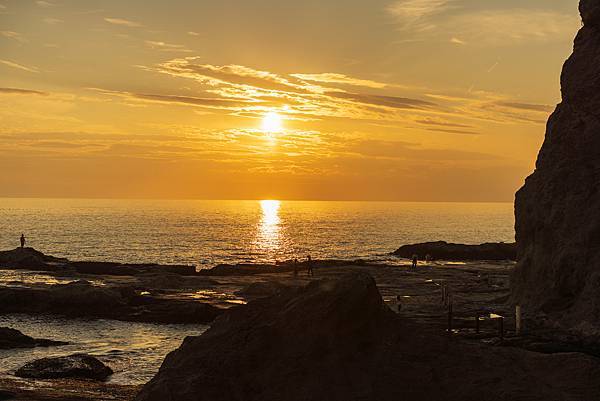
{"type": "Point", "coordinates": [205, 233]}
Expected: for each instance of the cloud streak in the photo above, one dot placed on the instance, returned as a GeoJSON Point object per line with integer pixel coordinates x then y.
{"type": "Point", "coordinates": [18, 66]}
{"type": "Point", "coordinates": [123, 22]}
{"type": "Point", "coordinates": [446, 20]}
{"type": "Point", "coordinates": [18, 91]}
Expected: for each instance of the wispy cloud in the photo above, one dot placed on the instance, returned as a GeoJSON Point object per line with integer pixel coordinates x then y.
{"type": "Point", "coordinates": [19, 66]}
{"type": "Point", "coordinates": [52, 21]}
{"type": "Point", "coordinates": [446, 20]}
{"type": "Point", "coordinates": [416, 14]}
{"type": "Point", "coordinates": [123, 22]}
{"type": "Point", "coordinates": [45, 4]}
{"type": "Point", "coordinates": [13, 35]}
{"type": "Point", "coordinates": [166, 47]}
{"type": "Point", "coordinates": [19, 91]}
{"type": "Point", "coordinates": [296, 97]}
{"type": "Point", "coordinates": [334, 78]}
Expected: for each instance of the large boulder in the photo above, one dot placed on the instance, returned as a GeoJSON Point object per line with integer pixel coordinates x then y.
{"type": "Point", "coordinates": [335, 340]}
{"type": "Point", "coordinates": [558, 209]}
{"type": "Point", "coordinates": [11, 338]}
{"type": "Point", "coordinates": [79, 366]}
{"type": "Point", "coordinates": [448, 251]}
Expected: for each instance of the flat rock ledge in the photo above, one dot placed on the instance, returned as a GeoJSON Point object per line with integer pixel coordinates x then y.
{"type": "Point", "coordinates": [441, 250]}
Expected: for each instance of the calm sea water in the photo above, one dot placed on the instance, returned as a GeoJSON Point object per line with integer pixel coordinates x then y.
{"type": "Point", "coordinates": [205, 233]}
{"type": "Point", "coordinates": [133, 350]}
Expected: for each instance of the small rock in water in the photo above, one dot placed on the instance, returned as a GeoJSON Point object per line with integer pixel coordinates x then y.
{"type": "Point", "coordinates": [81, 366]}
{"type": "Point", "coordinates": [11, 338]}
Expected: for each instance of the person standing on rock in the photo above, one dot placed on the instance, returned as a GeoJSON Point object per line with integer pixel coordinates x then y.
{"type": "Point", "coordinates": [415, 259]}
{"type": "Point", "coordinates": [22, 240]}
{"type": "Point", "coordinates": [310, 266]}
{"type": "Point", "coordinates": [295, 267]}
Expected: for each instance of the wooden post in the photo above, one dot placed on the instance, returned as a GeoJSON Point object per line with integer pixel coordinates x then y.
{"type": "Point", "coordinates": [518, 318]}
{"type": "Point", "coordinates": [449, 316]}
{"type": "Point", "coordinates": [477, 324]}
{"type": "Point", "coordinates": [444, 294]}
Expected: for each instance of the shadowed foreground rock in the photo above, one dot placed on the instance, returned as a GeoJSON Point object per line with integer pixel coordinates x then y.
{"type": "Point", "coordinates": [558, 209]}
{"type": "Point", "coordinates": [441, 250]}
{"type": "Point", "coordinates": [336, 340]}
{"type": "Point", "coordinates": [81, 299]}
{"type": "Point", "coordinates": [11, 338]}
{"type": "Point", "coordinates": [73, 366]}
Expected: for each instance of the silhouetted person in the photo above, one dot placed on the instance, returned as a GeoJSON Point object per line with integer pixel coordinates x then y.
{"type": "Point", "coordinates": [22, 240]}
{"type": "Point", "coordinates": [295, 267]}
{"type": "Point", "coordinates": [309, 265]}
{"type": "Point", "coordinates": [415, 259]}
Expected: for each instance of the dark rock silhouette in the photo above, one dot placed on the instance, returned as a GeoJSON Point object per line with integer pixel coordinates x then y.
{"type": "Point", "coordinates": [262, 289]}
{"type": "Point", "coordinates": [31, 259]}
{"type": "Point", "coordinates": [82, 299]}
{"type": "Point", "coordinates": [81, 366]}
{"type": "Point", "coordinates": [11, 338]}
{"type": "Point", "coordinates": [442, 250]}
{"type": "Point", "coordinates": [558, 209]}
{"type": "Point", "coordinates": [7, 395]}
{"type": "Point", "coordinates": [336, 340]}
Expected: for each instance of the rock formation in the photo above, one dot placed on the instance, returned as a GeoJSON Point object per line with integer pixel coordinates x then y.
{"type": "Point", "coordinates": [82, 299]}
{"type": "Point", "coordinates": [80, 366]}
{"type": "Point", "coordinates": [442, 250]}
{"type": "Point", "coordinates": [558, 209]}
{"type": "Point", "coordinates": [11, 338]}
{"type": "Point", "coordinates": [335, 340]}
{"type": "Point", "coordinates": [31, 259]}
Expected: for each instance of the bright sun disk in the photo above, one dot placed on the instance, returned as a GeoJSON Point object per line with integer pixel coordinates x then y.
{"type": "Point", "coordinates": [272, 122]}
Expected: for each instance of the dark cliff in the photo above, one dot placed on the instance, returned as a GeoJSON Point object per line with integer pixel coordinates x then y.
{"type": "Point", "coordinates": [558, 209]}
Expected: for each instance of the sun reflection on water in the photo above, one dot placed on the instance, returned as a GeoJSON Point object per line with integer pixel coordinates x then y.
{"type": "Point", "coordinates": [269, 229]}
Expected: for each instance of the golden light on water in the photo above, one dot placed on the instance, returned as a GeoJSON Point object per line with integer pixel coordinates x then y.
{"type": "Point", "coordinates": [270, 211]}
{"type": "Point", "coordinates": [268, 233]}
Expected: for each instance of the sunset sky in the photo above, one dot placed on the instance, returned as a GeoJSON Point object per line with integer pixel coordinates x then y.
{"type": "Point", "coordinates": [428, 100]}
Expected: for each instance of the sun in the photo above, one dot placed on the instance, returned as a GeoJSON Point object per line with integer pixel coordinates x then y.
{"type": "Point", "coordinates": [272, 122]}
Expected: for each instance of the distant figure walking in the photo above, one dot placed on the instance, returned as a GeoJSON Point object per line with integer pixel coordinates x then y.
{"type": "Point", "coordinates": [22, 240]}
{"type": "Point", "coordinates": [415, 259]}
{"type": "Point", "coordinates": [309, 264]}
{"type": "Point", "coordinates": [295, 267]}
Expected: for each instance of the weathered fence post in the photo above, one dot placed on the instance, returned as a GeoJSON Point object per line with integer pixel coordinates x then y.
{"type": "Point", "coordinates": [518, 317]}
{"type": "Point", "coordinates": [450, 315]}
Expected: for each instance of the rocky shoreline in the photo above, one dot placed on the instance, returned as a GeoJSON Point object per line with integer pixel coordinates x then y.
{"type": "Point", "coordinates": [478, 288]}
